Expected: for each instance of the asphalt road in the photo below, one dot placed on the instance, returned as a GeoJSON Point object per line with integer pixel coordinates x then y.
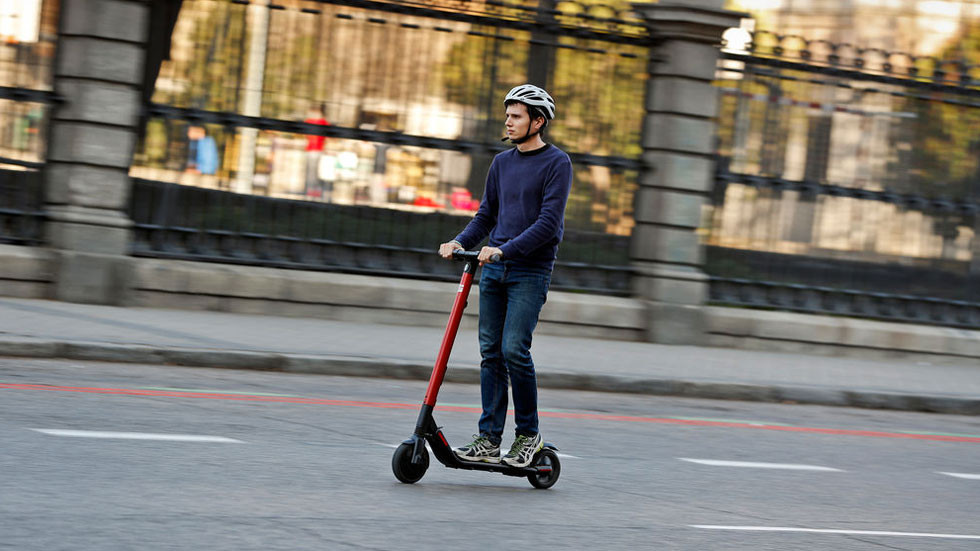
{"type": "Point", "coordinates": [190, 458]}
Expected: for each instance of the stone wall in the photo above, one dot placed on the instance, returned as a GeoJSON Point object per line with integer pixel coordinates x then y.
{"type": "Point", "coordinates": [27, 273]}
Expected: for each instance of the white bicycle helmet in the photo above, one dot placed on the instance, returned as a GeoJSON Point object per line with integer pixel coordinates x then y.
{"type": "Point", "coordinates": [530, 94]}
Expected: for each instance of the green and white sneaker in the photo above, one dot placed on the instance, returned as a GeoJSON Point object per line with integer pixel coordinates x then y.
{"type": "Point", "coordinates": [523, 450]}
{"type": "Point", "coordinates": [480, 449]}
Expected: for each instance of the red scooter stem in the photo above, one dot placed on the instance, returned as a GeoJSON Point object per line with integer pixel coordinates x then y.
{"type": "Point", "coordinates": [439, 371]}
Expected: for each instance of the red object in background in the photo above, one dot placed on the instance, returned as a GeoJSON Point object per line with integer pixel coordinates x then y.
{"type": "Point", "coordinates": [426, 202]}
{"type": "Point", "coordinates": [462, 199]}
{"type": "Point", "coordinates": [315, 143]}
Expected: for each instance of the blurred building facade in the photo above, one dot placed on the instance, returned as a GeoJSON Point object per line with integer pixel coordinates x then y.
{"type": "Point", "coordinates": [919, 27]}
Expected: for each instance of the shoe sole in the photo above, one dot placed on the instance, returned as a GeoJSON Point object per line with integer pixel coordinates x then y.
{"type": "Point", "coordinates": [519, 465]}
{"type": "Point", "coordinates": [479, 459]}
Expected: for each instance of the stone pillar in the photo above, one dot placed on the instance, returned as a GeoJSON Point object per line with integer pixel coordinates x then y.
{"type": "Point", "coordinates": [252, 97]}
{"type": "Point", "coordinates": [678, 145]}
{"type": "Point", "coordinates": [99, 71]}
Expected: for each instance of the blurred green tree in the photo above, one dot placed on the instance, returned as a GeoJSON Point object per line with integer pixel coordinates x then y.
{"type": "Point", "coordinates": [944, 148]}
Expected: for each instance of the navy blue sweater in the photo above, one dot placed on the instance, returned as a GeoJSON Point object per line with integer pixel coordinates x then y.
{"type": "Point", "coordinates": [523, 206]}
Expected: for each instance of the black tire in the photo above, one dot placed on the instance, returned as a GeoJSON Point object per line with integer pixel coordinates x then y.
{"type": "Point", "coordinates": [401, 464]}
{"type": "Point", "coordinates": [546, 480]}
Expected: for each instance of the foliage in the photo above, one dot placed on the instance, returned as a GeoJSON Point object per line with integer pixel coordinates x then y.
{"type": "Point", "coordinates": [945, 143]}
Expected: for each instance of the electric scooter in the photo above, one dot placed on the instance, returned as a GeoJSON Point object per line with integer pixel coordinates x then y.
{"type": "Point", "coordinates": [411, 459]}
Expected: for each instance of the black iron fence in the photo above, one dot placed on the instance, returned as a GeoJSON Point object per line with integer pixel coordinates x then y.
{"type": "Point", "coordinates": [26, 96]}
{"type": "Point", "coordinates": [367, 107]}
{"type": "Point", "coordinates": [848, 182]}
{"type": "Point", "coordinates": [21, 207]}
{"type": "Point", "coordinates": [192, 223]}
{"type": "Point", "coordinates": [354, 135]}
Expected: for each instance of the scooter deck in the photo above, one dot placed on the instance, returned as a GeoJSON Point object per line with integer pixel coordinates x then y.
{"type": "Point", "coordinates": [444, 453]}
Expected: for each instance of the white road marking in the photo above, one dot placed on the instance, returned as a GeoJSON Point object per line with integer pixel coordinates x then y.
{"type": "Point", "coordinates": [967, 476]}
{"type": "Point", "coordinates": [833, 531]}
{"type": "Point", "coordinates": [758, 465]}
{"type": "Point", "coordinates": [138, 436]}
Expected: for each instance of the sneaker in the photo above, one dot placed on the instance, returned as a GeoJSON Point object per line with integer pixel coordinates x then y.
{"type": "Point", "coordinates": [523, 450]}
{"type": "Point", "coordinates": [480, 449]}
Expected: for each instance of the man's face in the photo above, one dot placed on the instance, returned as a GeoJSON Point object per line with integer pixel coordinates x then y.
{"type": "Point", "coordinates": [517, 121]}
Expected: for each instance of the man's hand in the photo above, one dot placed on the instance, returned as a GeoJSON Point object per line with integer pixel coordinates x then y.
{"type": "Point", "coordinates": [446, 249]}
{"type": "Point", "coordinates": [487, 252]}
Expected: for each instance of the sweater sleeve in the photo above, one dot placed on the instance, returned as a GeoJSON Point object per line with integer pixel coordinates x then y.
{"type": "Point", "coordinates": [486, 216]}
{"type": "Point", "coordinates": [548, 225]}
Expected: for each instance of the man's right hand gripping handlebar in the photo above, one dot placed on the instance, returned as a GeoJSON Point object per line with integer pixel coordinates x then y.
{"type": "Point", "coordinates": [486, 255]}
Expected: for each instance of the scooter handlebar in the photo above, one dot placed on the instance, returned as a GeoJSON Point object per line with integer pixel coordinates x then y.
{"type": "Point", "coordinates": [460, 254]}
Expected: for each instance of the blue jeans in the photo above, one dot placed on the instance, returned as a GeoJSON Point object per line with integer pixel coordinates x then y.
{"type": "Point", "coordinates": [511, 298]}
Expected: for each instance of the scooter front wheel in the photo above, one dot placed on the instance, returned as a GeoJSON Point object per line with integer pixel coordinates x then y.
{"type": "Point", "coordinates": [549, 470]}
{"type": "Point", "coordinates": [401, 464]}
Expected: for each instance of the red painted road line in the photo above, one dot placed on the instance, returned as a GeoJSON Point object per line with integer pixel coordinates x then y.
{"type": "Point", "coordinates": [557, 415]}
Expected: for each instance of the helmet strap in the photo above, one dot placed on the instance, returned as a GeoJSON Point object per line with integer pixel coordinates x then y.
{"type": "Point", "coordinates": [528, 135]}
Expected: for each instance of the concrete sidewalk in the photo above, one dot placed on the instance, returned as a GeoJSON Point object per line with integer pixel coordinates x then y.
{"type": "Point", "coordinates": [37, 328]}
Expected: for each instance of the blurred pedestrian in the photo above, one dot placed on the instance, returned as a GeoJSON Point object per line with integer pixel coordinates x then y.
{"type": "Point", "coordinates": [523, 212]}
{"type": "Point", "coordinates": [314, 150]}
{"type": "Point", "coordinates": [202, 151]}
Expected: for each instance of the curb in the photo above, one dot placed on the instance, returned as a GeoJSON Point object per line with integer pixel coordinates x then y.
{"type": "Point", "coordinates": [351, 366]}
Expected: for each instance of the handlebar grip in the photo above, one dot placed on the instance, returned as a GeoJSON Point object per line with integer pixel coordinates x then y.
{"type": "Point", "coordinates": [460, 254]}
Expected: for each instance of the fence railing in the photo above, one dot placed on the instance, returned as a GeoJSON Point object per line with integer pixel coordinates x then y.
{"type": "Point", "coordinates": [21, 207]}
{"type": "Point", "coordinates": [354, 135]}
{"type": "Point", "coordinates": [848, 182]}
{"type": "Point", "coordinates": [26, 97]}
{"type": "Point", "coordinates": [365, 106]}
{"type": "Point", "coordinates": [191, 223]}
{"type": "Point", "coordinates": [861, 263]}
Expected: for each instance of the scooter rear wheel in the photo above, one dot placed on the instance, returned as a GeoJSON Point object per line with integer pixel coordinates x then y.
{"type": "Point", "coordinates": [543, 481]}
{"type": "Point", "coordinates": [401, 464]}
